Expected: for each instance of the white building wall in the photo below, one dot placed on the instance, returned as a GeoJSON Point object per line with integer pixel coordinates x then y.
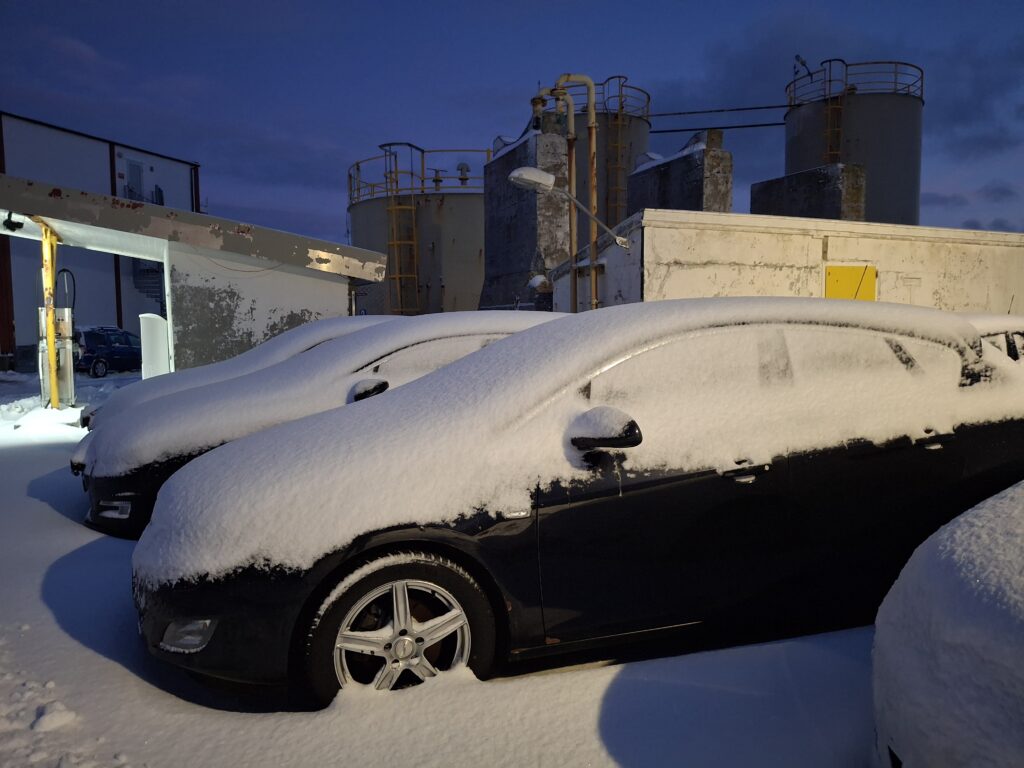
{"type": "Point", "coordinates": [174, 178]}
{"type": "Point", "coordinates": [684, 254]}
{"type": "Point", "coordinates": [59, 157]}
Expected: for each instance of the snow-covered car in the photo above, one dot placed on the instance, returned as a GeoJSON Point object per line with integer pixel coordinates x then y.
{"type": "Point", "coordinates": [1004, 331]}
{"type": "Point", "coordinates": [130, 455]}
{"type": "Point", "coordinates": [270, 352]}
{"type": "Point", "coordinates": [948, 661]}
{"type": "Point", "coordinates": [630, 469]}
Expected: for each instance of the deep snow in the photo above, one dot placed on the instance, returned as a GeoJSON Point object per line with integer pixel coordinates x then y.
{"type": "Point", "coordinates": [78, 689]}
{"type": "Point", "coordinates": [949, 648]}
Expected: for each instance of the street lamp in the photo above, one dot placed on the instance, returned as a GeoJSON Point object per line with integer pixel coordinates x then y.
{"type": "Point", "coordinates": [529, 177]}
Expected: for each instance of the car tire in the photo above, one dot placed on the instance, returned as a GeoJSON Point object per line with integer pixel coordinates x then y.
{"type": "Point", "coordinates": [98, 369]}
{"type": "Point", "coordinates": [387, 653]}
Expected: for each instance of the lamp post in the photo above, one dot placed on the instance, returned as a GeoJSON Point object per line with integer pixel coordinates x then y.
{"type": "Point", "coordinates": [529, 177]}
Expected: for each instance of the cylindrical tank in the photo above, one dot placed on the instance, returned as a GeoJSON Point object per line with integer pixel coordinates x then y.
{"type": "Point", "coordinates": [868, 114]}
{"type": "Point", "coordinates": [425, 210]}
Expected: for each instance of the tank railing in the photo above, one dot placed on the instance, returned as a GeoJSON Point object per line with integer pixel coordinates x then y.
{"type": "Point", "coordinates": [369, 178]}
{"type": "Point", "coordinates": [837, 78]}
{"type": "Point", "coordinates": [609, 95]}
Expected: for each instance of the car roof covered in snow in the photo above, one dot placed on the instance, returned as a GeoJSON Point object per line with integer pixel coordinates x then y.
{"type": "Point", "coordinates": [457, 432]}
{"type": "Point", "coordinates": [990, 323]}
{"type": "Point", "coordinates": [267, 353]}
{"type": "Point", "coordinates": [309, 382]}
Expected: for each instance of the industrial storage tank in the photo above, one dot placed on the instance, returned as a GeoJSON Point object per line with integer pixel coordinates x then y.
{"type": "Point", "coordinates": [866, 113]}
{"type": "Point", "coordinates": [424, 208]}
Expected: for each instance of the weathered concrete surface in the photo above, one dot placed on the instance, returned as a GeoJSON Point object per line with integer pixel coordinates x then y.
{"type": "Point", "coordinates": [834, 191]}
{"type": "Point", "coordinates": [525, 232]}
{"type": "Point", "coordinates": [698, 180]}
{"type": "Point", "coordinates": [130, 228]}
{"type": "Point", "coordinates": [219, 309]}
{"type": "Point", "coordinates": [683, 254]}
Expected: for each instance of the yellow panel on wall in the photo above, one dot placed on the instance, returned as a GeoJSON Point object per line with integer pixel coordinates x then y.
{"type": "Point", "coordinates": [850, 282]}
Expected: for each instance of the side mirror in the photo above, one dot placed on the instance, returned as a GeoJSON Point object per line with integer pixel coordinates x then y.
{"type": "Point", "coordinates": [366, 388]}
{"type": "Point", "coordinates": [604, 427]}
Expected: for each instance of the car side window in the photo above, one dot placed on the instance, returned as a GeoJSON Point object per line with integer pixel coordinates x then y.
{"type": "Point", "coordinates": [133, 340]}
{"type": "Point", "coordinates": [997, 340]}
{"type": "Point", "coordinates": [696, 397]}
{"type": "Point", "coordinates": [1018, 341]}
{"type": "Point", "coordinates": [420, 359]}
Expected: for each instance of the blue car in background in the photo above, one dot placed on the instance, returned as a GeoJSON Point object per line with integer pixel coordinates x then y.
{"type": "Point", "coordinates": [102, 348]}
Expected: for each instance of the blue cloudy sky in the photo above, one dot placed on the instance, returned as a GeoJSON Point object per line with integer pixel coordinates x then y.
{"type": "Point", "coordinates": [275, 100]}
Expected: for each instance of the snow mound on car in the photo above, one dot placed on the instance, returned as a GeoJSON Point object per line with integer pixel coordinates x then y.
{"type": "Point", "coordinates": [270, 352]}
{"type": "Point", "coordinates": [949, 644]}
{"type": "Point", "coordinates": [480, 434]}
{"type": "Point", "coordinates": [310, 382]}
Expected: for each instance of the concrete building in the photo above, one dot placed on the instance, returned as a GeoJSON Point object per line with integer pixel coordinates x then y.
{"type": "Point", "coordinates": [424, 208]}
{"type": "Point", "coordinates": [108, 291]}
{"type": "Point", "coordinates": [684, 254]}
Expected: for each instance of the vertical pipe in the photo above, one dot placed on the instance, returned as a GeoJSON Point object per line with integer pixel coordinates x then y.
{"type": "Point", "coordinates": [49, 243]}
{"type": "Point", "coordinates": [592, 138]}
{"type": "Point", "coordinates": [562, 95]}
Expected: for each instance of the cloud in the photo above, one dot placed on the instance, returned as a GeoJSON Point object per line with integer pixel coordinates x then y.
{"type": "Point", "coordinates": [998, 192]}
{"type": "Point", "coordinates": [985, 141]}
{"type": "Point", "coordinates": [940, 200]}
{"type": "Point", "coordinates": [1001, 225]}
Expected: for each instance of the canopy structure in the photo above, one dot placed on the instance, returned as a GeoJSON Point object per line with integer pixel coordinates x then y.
{"type": "Point", "coordinates": [227, 284]}
{"type": "Point", "coordinates": [142, 230]}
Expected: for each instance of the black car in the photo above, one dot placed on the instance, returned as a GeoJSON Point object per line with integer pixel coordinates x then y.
{"type": "Point", "coordinates": [103, 348]}
{"type": "Point", "coordinates": [676, 465]}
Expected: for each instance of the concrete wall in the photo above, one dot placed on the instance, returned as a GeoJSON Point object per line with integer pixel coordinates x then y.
{"type": "Point", "coordinates": [218, 308]}
{"type": "Point", "coordinates": [693, 180]}
{"type": "Point", "coordinates": [525, 232]}
{"type": "Point", "coordinates": [828, 192]}
{"type": "Point", "coordinates": [680, 254]}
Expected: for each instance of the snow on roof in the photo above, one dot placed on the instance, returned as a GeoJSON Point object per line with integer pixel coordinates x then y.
{"type": "Point", "coordinates": [481, 432]}
{"type": "Point", "coordinates": [265, 354]}
{"type": "Point", "coordinates": [949, 643]}
{"type": "Point", "coordinates": [312, 381]}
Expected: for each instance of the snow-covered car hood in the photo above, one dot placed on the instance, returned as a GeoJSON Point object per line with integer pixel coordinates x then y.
{"type": "Point", "coordinates": [321, 378]}
{"type": "Point", "coordinates": [268, 353]}
{"type": "Point", "coordinates": [477, 434]}
{"type": "Point", "coordinates": [949, 644]}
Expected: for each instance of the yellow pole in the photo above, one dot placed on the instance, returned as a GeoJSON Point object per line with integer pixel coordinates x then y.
{"type": "Point", "coordinates": [49, 281]}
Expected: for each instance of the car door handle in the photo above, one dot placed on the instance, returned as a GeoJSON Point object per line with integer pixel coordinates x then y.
{"type": "Point", "coordinates": [933, 446]}
{"type": "Point", "coordinates": [744, 479]}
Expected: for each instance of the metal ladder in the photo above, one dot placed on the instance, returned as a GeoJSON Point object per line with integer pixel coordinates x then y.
{"type": "Point", "coordinates": [833, 130]}
{"type": "Point", "coordinates": [402, 274]}
{"type": "Point", "coordinates": [615, 195]}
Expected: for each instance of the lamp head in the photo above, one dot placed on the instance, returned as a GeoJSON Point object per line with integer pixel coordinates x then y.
{"type": "Point", "coordinates": [528, 177]}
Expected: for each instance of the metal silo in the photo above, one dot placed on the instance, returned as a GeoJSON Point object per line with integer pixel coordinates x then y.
{"type": "Point", "coordinates": [424, 208]}
{"type": "Point", "coordinates": [866, 113]}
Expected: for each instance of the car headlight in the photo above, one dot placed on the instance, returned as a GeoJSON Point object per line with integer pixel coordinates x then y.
{"type": "Point", "coordinates": [188, 635]}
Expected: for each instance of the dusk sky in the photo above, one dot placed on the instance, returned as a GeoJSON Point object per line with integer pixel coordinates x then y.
{"type": "Point", "coordinates": [276, 100]}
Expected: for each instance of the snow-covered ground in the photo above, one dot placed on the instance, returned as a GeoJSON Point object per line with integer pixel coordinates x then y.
{"type": "Point", "coordinates": [78, 689]}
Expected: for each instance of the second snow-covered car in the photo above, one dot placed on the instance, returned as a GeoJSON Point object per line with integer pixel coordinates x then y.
{"type": "Point", "coordinates": [631, 469]}
{"type": "Point", "coordinates": [130, 455]}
